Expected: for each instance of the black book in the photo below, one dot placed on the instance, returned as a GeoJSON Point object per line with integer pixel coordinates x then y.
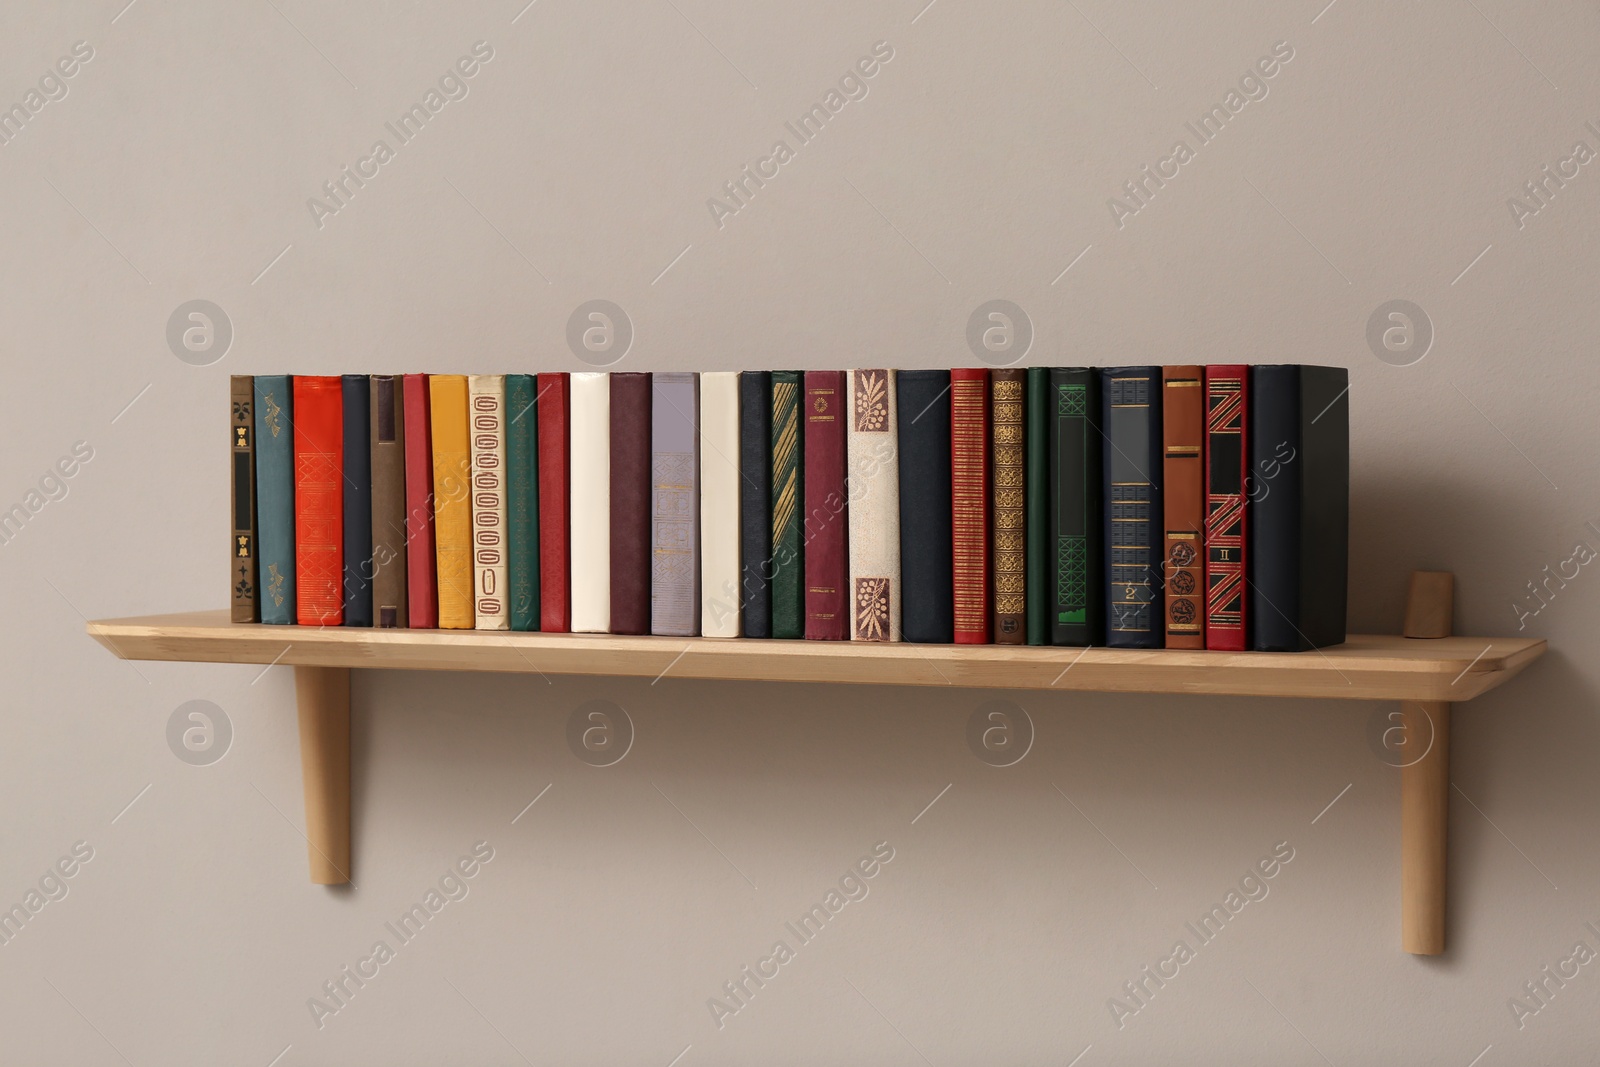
{"type": "Point", "coordinates": [357, 395]}
{"type": "Point", "coordinates": [755, 500]}
{"type": "Point", "coordinates": [1131, 418]}
{"type": "Point", "coordinates": [927, 583]}
{"type": "Point", "coordinates": [1299, 492]}
{"type": "Point", "coordinates": [1076, 557]}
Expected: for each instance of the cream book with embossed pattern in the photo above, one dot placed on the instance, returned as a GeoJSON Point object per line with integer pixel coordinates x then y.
{"type": "Point", "coordinates": [872, 479]}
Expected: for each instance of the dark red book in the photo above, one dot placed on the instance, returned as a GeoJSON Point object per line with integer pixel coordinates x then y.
{"type": "Point", "coordinates": [969, 502]}
{"type": "Point", "coordinates": [319, 500]}
{"type": "Point", "coordinates": [630, 503]}
{"type": "Point", "coordinates": [827, 525]}
{"type": "Point", "coordinates": [555, 555]}
{"type": "Point", "coordinates": [1227, 452]}
{"type": "Point", "coordinates": [422, 593]}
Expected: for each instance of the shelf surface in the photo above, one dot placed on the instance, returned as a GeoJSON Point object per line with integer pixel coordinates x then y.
{"type": "Point", "coordinates": [1366, 667]}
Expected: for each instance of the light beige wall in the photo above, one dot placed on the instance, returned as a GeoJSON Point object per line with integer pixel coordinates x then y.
{"type": "Point", "coordinates": [979, 166]}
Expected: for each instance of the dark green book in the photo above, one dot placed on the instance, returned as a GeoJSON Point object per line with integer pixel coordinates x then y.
{"type": "Point", "coordinates": [522, 500]}
{"type": "Point", "coordinates": [1036, 464]}
{"type": "Point", "coordinates": [1077, 602]}
{"type": "Point", "coordinates": [788, 547]}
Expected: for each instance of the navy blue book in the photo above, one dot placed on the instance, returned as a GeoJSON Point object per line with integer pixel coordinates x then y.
{"type": "Point", "coordinates": [357, 500]}
{"type": "Point", "coordinates": [755, 500]}
{"type": "Point", "coordinates": [1134, 538]}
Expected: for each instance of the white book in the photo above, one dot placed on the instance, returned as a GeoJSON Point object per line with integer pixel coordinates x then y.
{"type": "Point", "coordinates": [719, 504]}
{"type": "Point", "coordinates": [486, 425]}
{"type": "Point", "coordinates": [590, 448]}
{"type": "Point", "coordinates": [873, 476]}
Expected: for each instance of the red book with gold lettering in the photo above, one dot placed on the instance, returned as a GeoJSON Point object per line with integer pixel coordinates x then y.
{"type": "Point", "coordinates": [555, 556]}
{"type": "Point", "coordinates": [826, 528]}
{"type": "Point", "coordinates": [319, 500]}
{"type": "Point", "coordinates": [969, 502]}
{"type": "Point", "coordinates": [422, 597]}
{"type": "Point", "coordinates": [1227, 454]}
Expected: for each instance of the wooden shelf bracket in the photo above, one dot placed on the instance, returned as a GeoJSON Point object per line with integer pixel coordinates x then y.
{"type": "Point", "coordinates": [1425, 780]}
{"type": "Point", "coordinates": [323, 695]}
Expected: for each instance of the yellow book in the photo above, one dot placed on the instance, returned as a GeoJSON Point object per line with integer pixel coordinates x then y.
{"type": "Point", "coordinates": [452, 499]}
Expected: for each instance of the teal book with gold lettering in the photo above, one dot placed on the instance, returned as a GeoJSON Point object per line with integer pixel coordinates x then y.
{"type": "Point", "coordinates": [522, 500]}
{"type": "Point", "coordinates": [274, 403]}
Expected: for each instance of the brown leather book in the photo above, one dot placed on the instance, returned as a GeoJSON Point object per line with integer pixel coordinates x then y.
{"type": "Point", "coordinates": [630, 503]}
{"type": "Point", "coordinates": [1183, 473]}
{"type": "Point", "coordinates": [1007, 514]}
{"type": "Point", "coordinates": [389, 606]}
{"type": "Point", "coordinates": [242, 570]}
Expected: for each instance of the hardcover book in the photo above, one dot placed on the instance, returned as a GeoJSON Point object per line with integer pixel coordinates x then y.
{"type": "Point", "coordinates": [788, 470]}
{"type": "Point", "coordinates": [1007, 508]}
{"type": "Point", "coordinates": [675, 504]}
{"type": "Point", "coordinates": [1227, 452]}
{"type": "Point", "coordinates": [827, 559]}
{"type": "Point", "coordinates": [874, 506]}
{"type": "Point", "coordinates": [318, 500]}
{"type": "Point", "coordinates": [522, 502]}
{"type": "Point", "coordinates": [969, 503]}
{"type": "Point", "coordinates": [1131, 405]}
{"type": "Point", "coordinates": [274, 477]}
{"type": "Point", "coordinates": [555, 561]}
{"type": "Point", "coordinates": [755, 501]}
{"type": "Point", "coordinates": [1183, 504]}
{"type": "Point", "coordinates": [1036, 501]}
{"type": "Point", "coordinates": [389, 607]}
{"type": "Point", "coordinates": [486, 398]}
{"type": "Point", "coordinates": [422, 587]}
{"type": "Point", "coordinates": [720, 572]}
{"type": "Point", "coordinates": [631, 485]}
{"type": "Point", "coordinates": [1299, 493]}
{"type": "Point", "coordinates": [927, 601]}
{"type": "Point", "coordinates": [590, 489]}
{"type": "Point", "coordinates": [357, 406]}
{"type": "Point", "coordinates": [452, 499]}
{"type": "Point", "coordinates": [242, 574]}
{"type": "Point", "coordinates": [1077, 506]}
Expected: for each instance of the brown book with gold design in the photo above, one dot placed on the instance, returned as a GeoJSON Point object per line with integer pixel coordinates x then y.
{"type": "Point", "coordinates": [1007, 511]}
{"type": "Point", "coordinates": [388, 427]}
{"type": "Point", "coordinates": [1183, 504]}
{"type": "Point", "coordinates": [242, 561]}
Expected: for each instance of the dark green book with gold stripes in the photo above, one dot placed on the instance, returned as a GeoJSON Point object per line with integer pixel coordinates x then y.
{"type": "Point", "coordinates": [1077, 585]}
{"type": "Point", "coordinates": [788, 546]}
{"type": "Point", "coordinates": [522, 501]}
{"type": "Point", "coordinates": [1036, 465]}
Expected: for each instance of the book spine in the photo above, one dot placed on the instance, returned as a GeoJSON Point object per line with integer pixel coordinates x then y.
{"type": "Point", "coordinates": [318, 501]}
{"type": "Point", "coordinates": [755, 501]}
{"type": "Point", "coordinates": [357, 405]}
{"type": "Point", "coordinates": [1076, 477]}
{"type": "Point", "coordinates": [274, 445]}
{"type": "Point", "coordinates": [522, 502]}
{"type": "Point", "coordinates": [720, 573]}
{"type": "Point", "coordinates": [874, 507]}
{"type": "Point", "coordinates": [788, 479]}
{"type": "Point", "coordinates": [630, 444]}
{"type": "Point", "coordinates": [555, 516]}
{"type": "Point", "coordinates": [422, 587]}
{"type": "Point", "coordinates": [1007, 508]}
{"type": "Point", "coordinates": [1324, 512]}
{"type": "Point", "coordinates": [827, 560]}
{"type": "Point", "coordinates": [389, 607]}
{"type": "Point", "coordinates": [486, 399]}
{"type": "Point", "coordinates": [927, 590]}
{"type": "Point", "coordinates": [1227, 451]}
{"type": "Point", "coordinates": [1183, 504]}
{"type": "Point", "coordinates": [1131, 402]}
{"type": "Point", "coordinates": [590, 488]}
{"type": "Point", "coordinates": [452, 499]}
{"type": "Point", "coordinates": [1036, 466]}
{"type": "Point", "coordinates": [675, 504]}
{"type": "Point", "coordinates": [969, 500]}
{"type": "Point", "coordinates": [245, 544]}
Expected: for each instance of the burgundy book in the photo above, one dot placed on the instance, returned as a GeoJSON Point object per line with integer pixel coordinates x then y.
{"type": "Point", "coordinates": [1227, 455]}
{"type": "Point", "coordinates": [827, 525]}
{"type": "Point", "coordinates": [630, 503]}
{"type": "Point", "coordinates": [969, 502]}
{"type": "Point", "coordinates": [422, 596]}
{"type": "Point", "coordinates": [555, 557]}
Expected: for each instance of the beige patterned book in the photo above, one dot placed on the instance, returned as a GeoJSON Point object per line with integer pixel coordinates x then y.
{"type": "Point", "coordinates": [719, 504]}
{"type": "Point", "coordinates": [590, 521]}
{"type": "Point", "coordinates": [873, 478]}
{"type": "Point", "coordinates": [486, 423]}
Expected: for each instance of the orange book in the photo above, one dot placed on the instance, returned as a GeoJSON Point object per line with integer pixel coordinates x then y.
{"type": "Point", "coordinates": [319, 500]}
{"type": "Point", "coordinates": [452, 499]}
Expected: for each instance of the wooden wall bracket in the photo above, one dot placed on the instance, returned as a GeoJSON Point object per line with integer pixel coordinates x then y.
{"type": "Point", "coordinates": [323, 695]}
{"type": "Point", "coordinates": [1425, 780]}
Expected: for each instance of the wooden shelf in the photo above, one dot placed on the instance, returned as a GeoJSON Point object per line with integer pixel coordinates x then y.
{"type": "Point", "coordinates": [1366, 667]}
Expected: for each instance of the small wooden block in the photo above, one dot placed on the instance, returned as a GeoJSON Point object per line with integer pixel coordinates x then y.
{"type": "Point", "coordinates": [1430, 604]}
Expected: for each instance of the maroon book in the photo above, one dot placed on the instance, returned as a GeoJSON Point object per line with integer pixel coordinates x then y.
{"type": "Point", "coordinates": [555, 562]}
{"type": "Point", "coordinates": [422, 603]}
{"type": "Point", "coordinates": [630, 503]}
{"type": "Point", "coordinates": [827, 525]}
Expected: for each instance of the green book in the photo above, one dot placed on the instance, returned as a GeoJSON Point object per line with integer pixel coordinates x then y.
{"type": "Point", "coordinates": [522, 501]}
{"type": "Point", "coordinates": [788, 547]}
{"type": "Point", "coordinates": [1077, 610]}
{"type": "Point", "coordinates": [1036, 463]}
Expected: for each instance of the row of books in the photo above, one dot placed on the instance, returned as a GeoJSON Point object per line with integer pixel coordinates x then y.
{"type": "Point", "coordinates": [1133, 507]}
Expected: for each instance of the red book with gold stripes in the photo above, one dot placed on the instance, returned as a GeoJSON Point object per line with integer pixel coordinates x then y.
{"type": "Point", "coordinates": [1227, 451]}
{"type": "Point", "coordinates": [969, 502]}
